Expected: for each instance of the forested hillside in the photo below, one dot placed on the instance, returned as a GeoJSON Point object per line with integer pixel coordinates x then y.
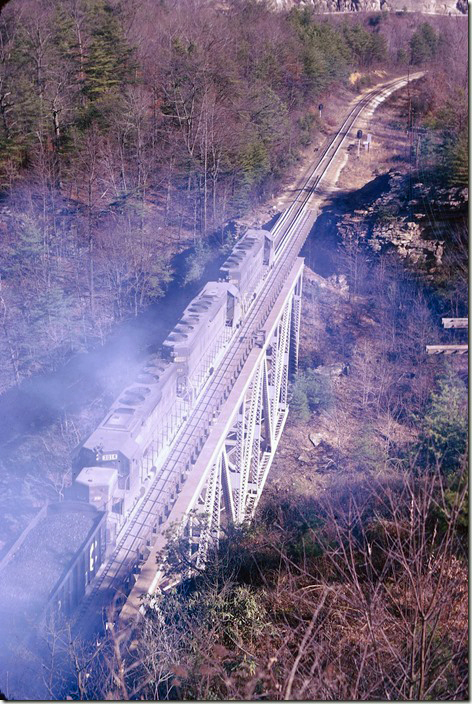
{"type": "Point", "coordinates": [131, 130]}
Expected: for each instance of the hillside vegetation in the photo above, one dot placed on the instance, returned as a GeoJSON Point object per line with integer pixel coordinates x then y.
{"type": "Point", "coordinates": [352, 581]}
{"type": "Point", "coordinates": [131, 130]}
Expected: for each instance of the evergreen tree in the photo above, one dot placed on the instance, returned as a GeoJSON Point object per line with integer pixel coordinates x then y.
{"type": "Point", "coordinates": [366, 47]}
{"type": "Point", "coordinates": [444, 434]}
{"type": "Point", "coordinates": [299, 407]}
{"type": "Point", "coordinates": [458, 160]}
{"type": "Point", "coordinates": [310, 391]}
{"type": "Point", "coordinates": [423, 44]}
{"type": "Point", "coordinates": [108, 63]}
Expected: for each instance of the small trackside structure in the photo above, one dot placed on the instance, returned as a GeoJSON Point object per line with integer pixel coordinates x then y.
{"type": "Point", "coordinates": [451, 323]}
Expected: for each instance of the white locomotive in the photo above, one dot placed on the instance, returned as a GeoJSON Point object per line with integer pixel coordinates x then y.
{"type": "Point", "coordinates": [118, 461]}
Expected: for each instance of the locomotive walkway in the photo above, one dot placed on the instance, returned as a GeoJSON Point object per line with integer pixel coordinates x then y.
{"type": "Point", "coordinates": [197, 468]}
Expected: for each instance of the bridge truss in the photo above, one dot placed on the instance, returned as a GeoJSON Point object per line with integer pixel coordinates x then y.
{"type": "Point", "coordinates": [242, 454]}
{"type": "Point", "coordinates": [228, 476]}
{"type": "Point", "coordinates": [218, 464]}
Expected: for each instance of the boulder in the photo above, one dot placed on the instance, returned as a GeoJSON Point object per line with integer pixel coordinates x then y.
{"type": "Point", "coordinates": [315, 438]}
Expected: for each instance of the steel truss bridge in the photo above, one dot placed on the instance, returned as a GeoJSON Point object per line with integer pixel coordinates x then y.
{"type": "Point", "coordinates": [216, 468]}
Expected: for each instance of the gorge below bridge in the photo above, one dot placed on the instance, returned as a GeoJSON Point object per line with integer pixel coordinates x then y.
{"type": "Point", "coordinates": [217, 466]}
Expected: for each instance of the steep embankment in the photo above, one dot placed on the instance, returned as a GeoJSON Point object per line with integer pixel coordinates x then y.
{"type": "Point", "coordinates": [393, 251]}
{"type": "Point", "coordinates": [106, 189]}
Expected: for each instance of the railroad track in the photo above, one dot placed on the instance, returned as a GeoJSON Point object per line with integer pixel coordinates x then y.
{"type": "Point", "coordinates": [290, 232]}
{"type": "Point", "coordinates": [314, 175]}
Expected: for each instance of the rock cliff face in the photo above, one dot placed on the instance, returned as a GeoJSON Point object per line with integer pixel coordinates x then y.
{"type": "Point", "coordinates": [436, 7]}
{"type": "Point", "coordinates": [415, 225]}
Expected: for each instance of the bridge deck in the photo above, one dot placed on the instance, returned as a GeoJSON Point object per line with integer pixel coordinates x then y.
{"type": "Point", "coordinates": [219, 430]}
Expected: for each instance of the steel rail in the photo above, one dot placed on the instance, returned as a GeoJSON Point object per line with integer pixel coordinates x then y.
{"type": "Point", "coordinates": [125, 553]}
{"type": "Point", "coordinates": [356, 109]}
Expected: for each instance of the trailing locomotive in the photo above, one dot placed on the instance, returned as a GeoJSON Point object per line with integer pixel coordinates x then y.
{"type": "Point", "coordinates": [204, 329]}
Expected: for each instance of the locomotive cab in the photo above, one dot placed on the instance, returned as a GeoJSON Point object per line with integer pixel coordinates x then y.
{"type": "Point", "coordinates": [97, 486]}
{"type": "Point", "coordinates": [97, 458]}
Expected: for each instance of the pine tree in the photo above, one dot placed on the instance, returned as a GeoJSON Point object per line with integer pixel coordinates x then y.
{"type": "Point", "coordinates": [458, 158]}
{"type": "Point", "coordinates": [423, 44]}
{"type": "Point", "coordinates": [299, 406]}
{"type": "Point", "coordinates": [444, 434]}
{"type": "Point", "coordinates": [108, 62]}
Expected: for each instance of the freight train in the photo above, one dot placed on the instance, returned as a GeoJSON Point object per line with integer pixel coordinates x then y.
{"type": "Point", "coordinates": [115, 466]}
{"type": "Point", "coordinates": [117, 463]}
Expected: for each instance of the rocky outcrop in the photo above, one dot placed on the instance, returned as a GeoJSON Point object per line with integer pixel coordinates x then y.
{"type": "Point", "coordinates": [406, 237]}
{"type": "Point", "coordinates": [412, 219]}
{"type": "Point", "coordinates": [436, 7]}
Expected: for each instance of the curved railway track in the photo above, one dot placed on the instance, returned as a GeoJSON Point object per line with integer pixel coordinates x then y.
{"type": "Point", "coordinates": [312, 179]}
{"type": "Point", "coordinates": [290, 232]}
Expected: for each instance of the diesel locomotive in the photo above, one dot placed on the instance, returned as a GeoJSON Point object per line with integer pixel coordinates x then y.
{"type": "Point", "coordinates": [116, 464]}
